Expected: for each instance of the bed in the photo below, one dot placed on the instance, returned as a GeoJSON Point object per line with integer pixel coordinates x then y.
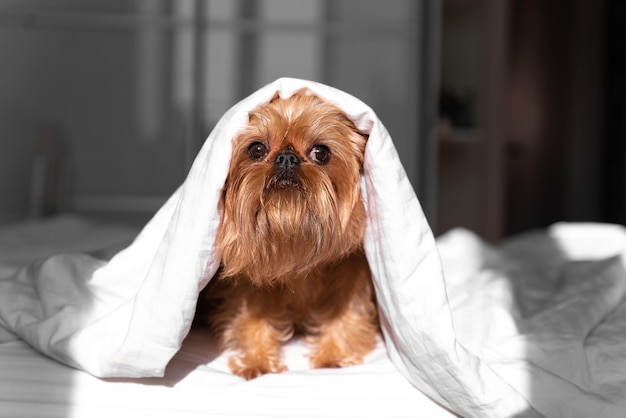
{"type": "Point", "coordinates": [99, 323]}
{"type": "Point", "coordinates": [196, 381]}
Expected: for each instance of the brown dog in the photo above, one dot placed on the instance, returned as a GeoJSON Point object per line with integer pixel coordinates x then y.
{"type": "Point", "coordinates": [291, 238]}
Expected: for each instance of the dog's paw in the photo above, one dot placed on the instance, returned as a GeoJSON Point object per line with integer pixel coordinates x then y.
{"type": "Point", "coordinates": [333, 361]}
{"type": "Point", "coordinates": [248, 369]}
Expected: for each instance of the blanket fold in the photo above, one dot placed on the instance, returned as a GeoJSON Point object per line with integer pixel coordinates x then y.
{"type": "Point", "coordinates": [128, 317]}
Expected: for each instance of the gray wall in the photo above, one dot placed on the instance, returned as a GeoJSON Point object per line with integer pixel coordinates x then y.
{"type": "Point", "coordinates": [134, 87]}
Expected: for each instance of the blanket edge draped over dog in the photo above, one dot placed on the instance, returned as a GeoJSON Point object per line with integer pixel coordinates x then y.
{"type": "Point", "coordinates": [128, 317]}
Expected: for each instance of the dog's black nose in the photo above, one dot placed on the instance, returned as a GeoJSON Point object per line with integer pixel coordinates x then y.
{"type": "Point", "coordinates": [287, 160]}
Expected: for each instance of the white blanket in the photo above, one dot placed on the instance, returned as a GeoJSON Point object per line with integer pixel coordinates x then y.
{"type": "Point", "coordinates": [129, 317]}
{"type": "Point", "coordinates": [546, 311]}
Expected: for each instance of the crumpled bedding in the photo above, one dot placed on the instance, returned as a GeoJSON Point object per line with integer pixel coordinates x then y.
{"type": "Point", "coordinates": [502, 298]}
{"type": "Point", "coordinates": [546, 310]}
{"type": "Point", "coordinates": [522, 330]}
{"type": "Point", "coordinates": [197, 382]}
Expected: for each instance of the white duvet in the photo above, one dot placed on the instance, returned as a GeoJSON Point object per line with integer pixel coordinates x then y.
{"type": "Point", "coordinates": [533, 327]}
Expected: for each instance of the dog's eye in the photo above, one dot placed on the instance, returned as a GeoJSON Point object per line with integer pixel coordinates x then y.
{"type": "Point", "coordinates": [257, 151]}
{"type": "Point", "coordinates": [320, 154]}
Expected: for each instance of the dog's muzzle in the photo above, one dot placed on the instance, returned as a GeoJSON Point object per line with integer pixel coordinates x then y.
{"type": "Point", "coordinates": [286, 162]}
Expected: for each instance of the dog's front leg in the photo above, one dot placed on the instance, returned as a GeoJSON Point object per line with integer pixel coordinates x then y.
{"type": "Point", "coordinates": [342, 342]}
{"type": "Point", "coordinates": [259, 346]}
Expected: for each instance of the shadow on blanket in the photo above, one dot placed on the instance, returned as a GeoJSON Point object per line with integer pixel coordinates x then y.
{"type": "Point", "coordinates": [198, 349]}
{"type": "Point", "coordinates": [570, 302]}
{"type": "Point", "coordinates": [545, 308]}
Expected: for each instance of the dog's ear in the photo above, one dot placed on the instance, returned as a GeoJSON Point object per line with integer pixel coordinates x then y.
{"type": "Point", "coordinates": [358, 140]}
{"type": "Point", "coordinates": [274, 97]}
{"type": "Point", "coordinates": [360, 146]}
{"type": "Point", "coordinates": [220, 203]}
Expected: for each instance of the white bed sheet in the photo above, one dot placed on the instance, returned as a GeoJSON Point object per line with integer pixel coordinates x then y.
{"type": "Point", "coordinates": [522, 304]}
{"type": "Point", "coordinates": [198, 385]}
{"type": "Point", "coordinates": [546, 310]}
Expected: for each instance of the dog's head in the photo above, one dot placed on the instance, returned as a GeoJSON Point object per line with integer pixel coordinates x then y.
{"type": "Point", "coordinates": [292, 198]}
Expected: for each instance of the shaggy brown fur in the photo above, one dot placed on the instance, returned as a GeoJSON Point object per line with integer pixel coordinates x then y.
{"type": "Point", "coordinates": [291, 241]}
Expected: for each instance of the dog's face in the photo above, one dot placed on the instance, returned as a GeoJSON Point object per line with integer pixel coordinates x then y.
{"type": "Point", "coordinates": [292, 199]}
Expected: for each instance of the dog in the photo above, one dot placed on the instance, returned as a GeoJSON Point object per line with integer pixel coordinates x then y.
{"type": "Point", "coordinates": [291, 241]}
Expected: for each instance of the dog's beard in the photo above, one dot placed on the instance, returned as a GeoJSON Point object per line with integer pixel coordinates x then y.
{"type": "Point", "coordinates": [278, 226]}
